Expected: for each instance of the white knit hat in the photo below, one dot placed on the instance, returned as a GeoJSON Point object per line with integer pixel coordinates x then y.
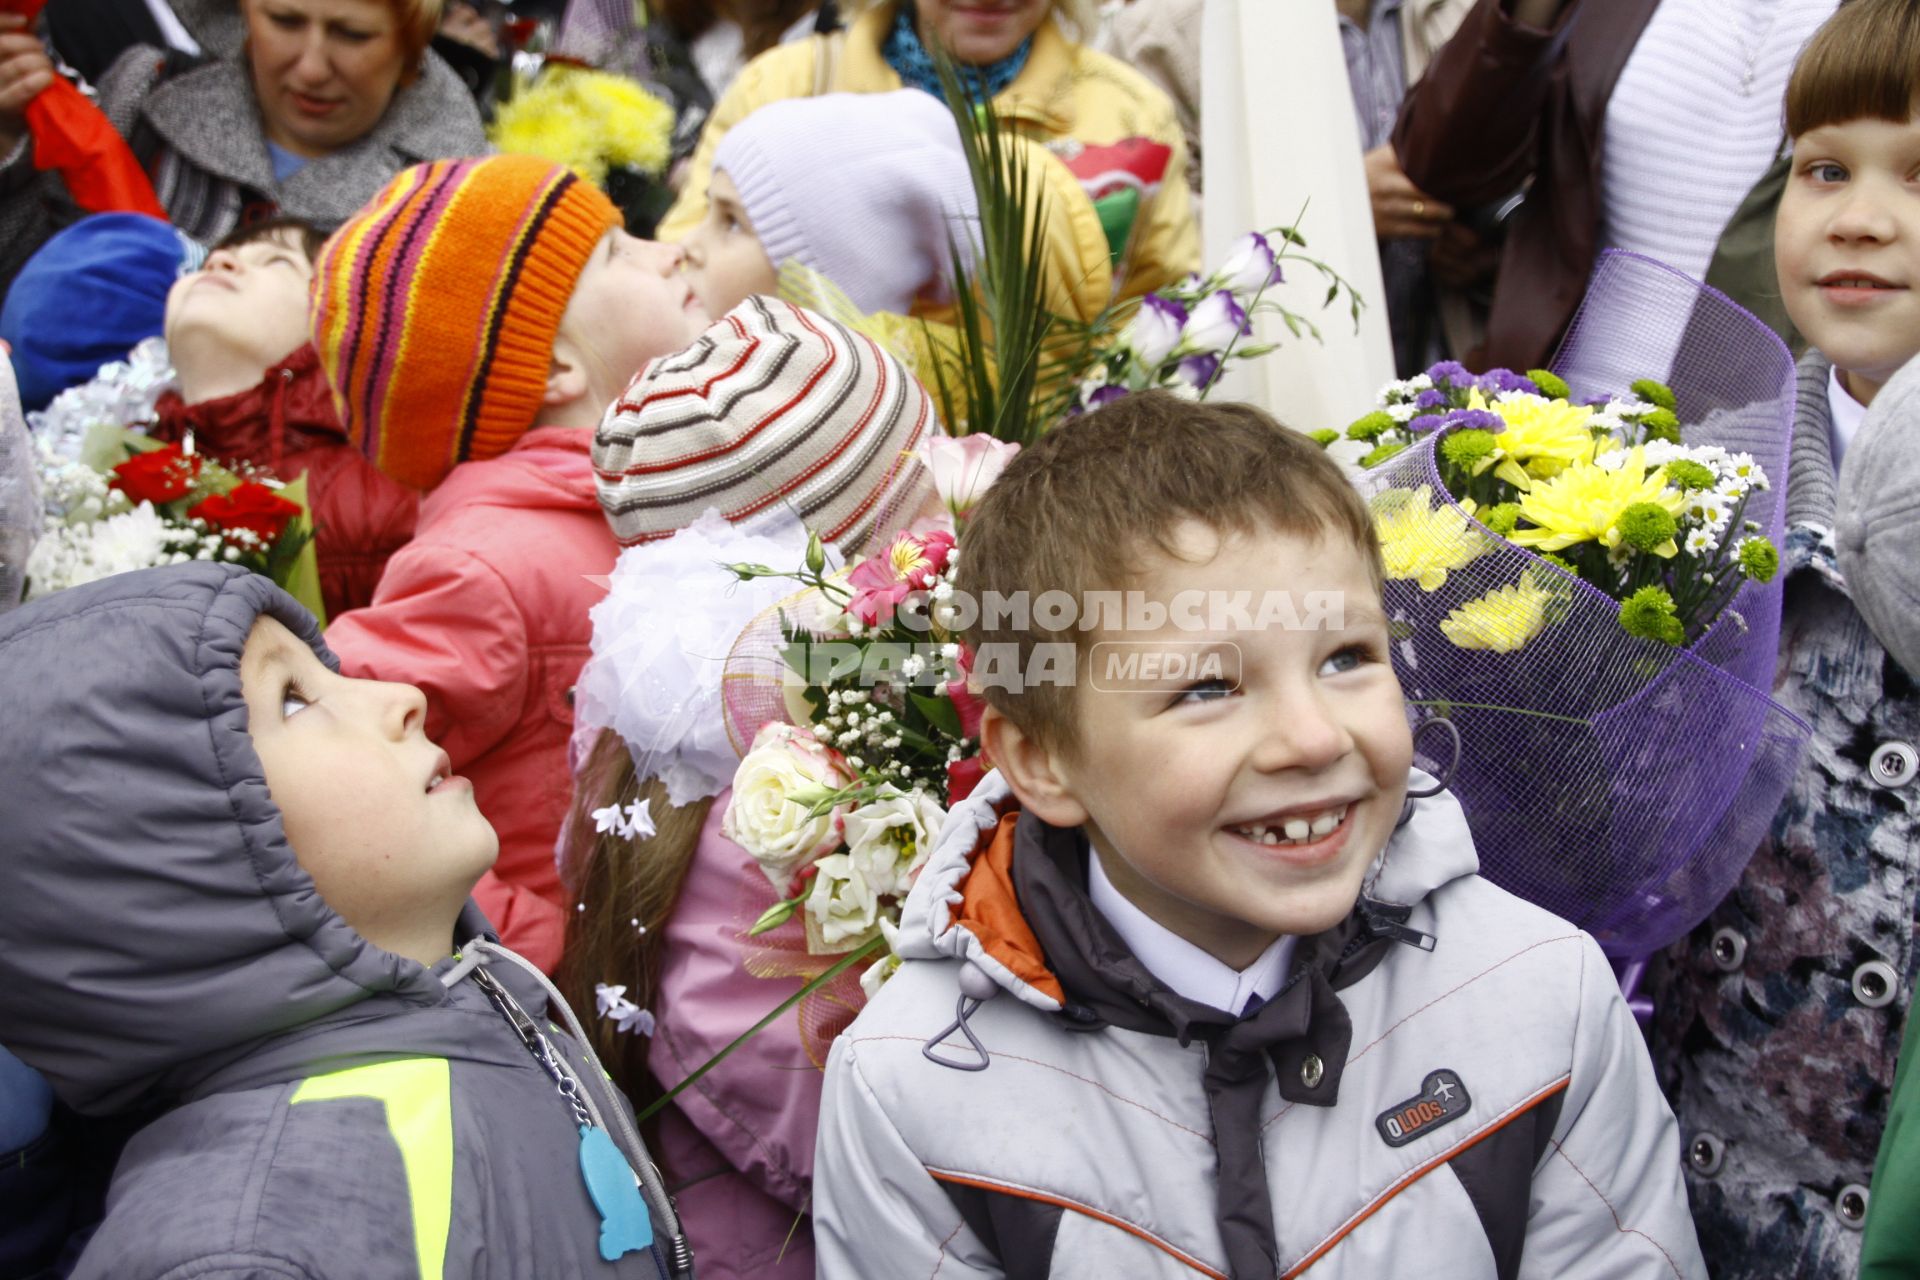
{"type": "Point", "coordinates": [862, 187]}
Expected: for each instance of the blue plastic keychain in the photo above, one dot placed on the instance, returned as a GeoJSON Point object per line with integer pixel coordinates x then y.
{"type": "Point", "coordinates": [625, 1224]}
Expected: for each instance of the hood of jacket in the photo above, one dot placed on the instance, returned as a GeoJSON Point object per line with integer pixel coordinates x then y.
{"type": "Point", "coordinates": [289, 410]}
{"type": "Point", "coordinates": [159, 932]}
{"type": "Point", "coordinates": [548, 467]}
{"type": "Point", "coordinates": [965, 905]}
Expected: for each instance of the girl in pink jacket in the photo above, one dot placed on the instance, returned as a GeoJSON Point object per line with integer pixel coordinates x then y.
{"type": "Point", "coordinates": [775, 422]}
{"type": "Point", "coordinates": [474, 319]}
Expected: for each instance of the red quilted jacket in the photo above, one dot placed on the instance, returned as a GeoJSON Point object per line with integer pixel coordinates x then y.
{"type": "Point", "coordinates": [287, 424]}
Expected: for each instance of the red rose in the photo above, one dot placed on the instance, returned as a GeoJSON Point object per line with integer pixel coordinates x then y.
{"type": "Point", "coordinates": [164, 475]}
{"type": "Point", "coordinates": [248, 506]}
{"type": "Point", "coordinates": [963, 776]}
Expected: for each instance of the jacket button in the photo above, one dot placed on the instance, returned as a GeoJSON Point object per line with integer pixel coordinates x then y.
{"type": "Point", "coordinates": [1312, 1071]}
{"type": "Point", "coordinates": [1893, 764]}
{"type": "Point", "coordinates": [1706, 1154]}
{"type": "Point", "coordinates": [1729, 950]}
{"type": "Point", "coordinates": [1852, 1205]}
{"type": "Point", "coordinates": [1874, 984]}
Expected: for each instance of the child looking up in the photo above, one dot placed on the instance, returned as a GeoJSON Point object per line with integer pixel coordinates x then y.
{"type": "Point", "coordinates": [474, 320]}
{"type": "Point", "coordinates": [1779, 1018]}
{"type": "Point", "coordinates": [1189, 987]}
{"type": "Point", "coordinates": [233, 888]}
{"type": "Point", "coordinates": [251, 390]}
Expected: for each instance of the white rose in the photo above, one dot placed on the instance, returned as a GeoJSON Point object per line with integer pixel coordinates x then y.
{"type": "Point", "coordinates": [842, 909]}
{"type": "Point", "coordinates": [889, 839]}
{"type": "Point", "coordinates": [765, 818]}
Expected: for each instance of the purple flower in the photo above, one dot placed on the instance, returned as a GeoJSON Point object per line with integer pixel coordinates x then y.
{"type": "Point", "coordinates": [1476, 419]}
{"type": "Point", "coordinates": [1199, 372]}
{"type": "Point", "coordinates": [1105, 395]}
{"type": "Point", "coordinates": [1431, 400]}
{"type": "Point", "coordinates": [1448, 372]}
{"type": "Point", "coordinates": [1495, 381]}
{"type": "Point", "coordinates": [1425, 422]}
{"type": "Point", "coordinates": [1251, 266]}
{"type": "Point", "coordinates": [1216, 322]}
{"type": "Point", "coordinates": [1154, 331]}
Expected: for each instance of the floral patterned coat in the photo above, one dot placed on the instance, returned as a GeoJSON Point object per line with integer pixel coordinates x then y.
{"type": "Point", "coordinates": [1779, 1019]}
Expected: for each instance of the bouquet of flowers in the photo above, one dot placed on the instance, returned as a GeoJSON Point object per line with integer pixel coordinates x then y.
{"type": "Point", "coordinates": [601, 123]}
{"type": "Point", "coordinates": [1182, 338]}
{"type": "Point", "coordinates": [862, 729]}
{"type": "Point", "coordinates": [163, 504]}
{"type": "Point", "coordinates": [1580, 571]}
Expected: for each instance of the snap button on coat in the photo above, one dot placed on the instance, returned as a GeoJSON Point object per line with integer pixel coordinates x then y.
{"type": "Point", "coordinates": [1874, 984]}
{"type": "Point", "coordinates": [1705, 1154]}
{"type": "Point", "coordinates": [1852, 1205]}
{"type": "Point", "coordinates": [1311, 1071]}
{"type": "Point", "coordinates": [1729, 950]}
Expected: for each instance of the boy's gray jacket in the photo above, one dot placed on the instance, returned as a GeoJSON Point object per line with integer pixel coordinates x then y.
{"type": "Point", "coordinates": [1484, 1108]}
{"type": "Point", "coordinates": [323, 1108]}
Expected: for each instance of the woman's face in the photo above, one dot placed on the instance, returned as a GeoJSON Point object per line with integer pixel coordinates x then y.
{"type": "Point", "coordinates": [323, 70]}
{"type": "Point", "coordinates": [978, 32]}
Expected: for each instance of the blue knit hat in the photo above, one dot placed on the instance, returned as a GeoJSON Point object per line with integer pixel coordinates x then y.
{"type": "Point", "coordinates": [87, 297]}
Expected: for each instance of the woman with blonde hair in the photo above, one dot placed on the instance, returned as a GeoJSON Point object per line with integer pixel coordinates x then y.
{"type": "Point", "coordinates": [1108, 122]}
{"type": "Point", "coordinates": [297, 107]}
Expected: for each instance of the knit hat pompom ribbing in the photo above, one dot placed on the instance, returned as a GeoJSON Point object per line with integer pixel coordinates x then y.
{"type": "Point", "coordinates": [436, 307]}
{"type": "Point", "coordinates": [773, 410]}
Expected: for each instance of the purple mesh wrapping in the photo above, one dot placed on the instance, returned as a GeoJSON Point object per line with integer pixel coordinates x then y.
{"type": "Point", "coordinates": [1615, 781]}
{"type": "Point", "coordinates": [604, 34]}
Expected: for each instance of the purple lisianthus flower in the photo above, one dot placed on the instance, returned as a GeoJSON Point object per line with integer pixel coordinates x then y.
{"type": "Point", "coordinates": [1199, 372]}
{"type": "Point", "coordinates": [1155, 329]}
{"type": "Point", "coordinates": [1251, 266]}
{"type": "Point", "coordinates": [1425, 422]}
{"type": "Point", "coordinates": [1432, 400]}
{"type": "Point", "coordinates": [1596, 402]}
{"type": "Point", "coordinates": [1495, 381]}
{"type": "Point", "coordinates": [1450, 371]}
{"type": "Point", "coordinates": [1105, 395]}
{"type": "Point", "coordinates": [1216, 321]}
{"type": "Point", "coordinates": [1476, 420]}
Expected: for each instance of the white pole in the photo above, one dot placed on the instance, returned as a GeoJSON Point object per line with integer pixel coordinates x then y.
{"type": "Point", "coordinates": [1276, 116]}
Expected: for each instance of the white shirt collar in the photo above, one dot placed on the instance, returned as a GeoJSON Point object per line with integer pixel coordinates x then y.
{"type": "Point", "coordinates": [1846, 412]}
{"type": "Point", "coordinates": [1184, 968]}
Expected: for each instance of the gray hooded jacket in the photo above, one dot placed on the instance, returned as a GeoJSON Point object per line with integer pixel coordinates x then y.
{"type": "Point", "coordinates": [327, 1109]}
{"type": "Point", "coordinates": [1480, 1110]}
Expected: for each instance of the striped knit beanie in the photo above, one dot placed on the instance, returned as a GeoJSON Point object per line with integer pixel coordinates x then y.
{"type": "Point", "coordinates": [435, 308]}
{"type": "Point", "coordinates": [773, 409]}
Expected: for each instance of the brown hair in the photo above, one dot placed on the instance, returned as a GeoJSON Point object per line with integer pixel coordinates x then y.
{"type": "Point", "coordinates": [415, 22]}
{"type": "Point", "coordinates": [622, 881]}
{"type": "Point", "coordinates": [1863, 63]}
{"type": "Point", "coordinates": [305, 236]}
{"type": "Point", "coordinates": [1075, 512]}
{"type": "Point", "coordinates": [762, 22]}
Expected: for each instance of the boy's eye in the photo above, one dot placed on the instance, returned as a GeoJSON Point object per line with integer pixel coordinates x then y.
{"type": "Point", "coordinates": [285, 21]}
{"type": "Point", "coordinates": [292, 702]}
{"type": "Point", "coordinates": [1826, 171]}
{"type": "Point", "coordinates": [1351, 658]}
{"type": "Point", "coordinates": [1204, 691]}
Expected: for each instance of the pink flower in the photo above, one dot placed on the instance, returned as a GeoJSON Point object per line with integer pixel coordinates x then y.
{"type": "Point", "coordinates": [881, 582]}
{"type": "Point", "coordinates": [963, 467]}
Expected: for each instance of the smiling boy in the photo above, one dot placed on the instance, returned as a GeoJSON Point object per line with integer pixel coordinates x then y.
{"type": "Point", "coordinates": [1185, 992]}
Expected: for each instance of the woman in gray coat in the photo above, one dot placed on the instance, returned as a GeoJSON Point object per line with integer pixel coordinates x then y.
{"type": "Point", "coordinates": [301, 107]}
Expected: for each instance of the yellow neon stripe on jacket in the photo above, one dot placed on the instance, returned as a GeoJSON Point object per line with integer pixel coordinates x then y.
{"type": "Point", "coordinates": [418, 1096]}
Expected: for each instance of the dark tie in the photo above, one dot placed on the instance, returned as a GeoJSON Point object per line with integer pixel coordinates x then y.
{"type": "Point", "coordinates": [1252, 1005]}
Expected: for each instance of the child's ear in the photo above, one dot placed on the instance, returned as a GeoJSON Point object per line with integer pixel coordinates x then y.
{"type": "Point", "coordinates": [1035, 772]}
{"type": "Point", "coordinates": [566, 376]}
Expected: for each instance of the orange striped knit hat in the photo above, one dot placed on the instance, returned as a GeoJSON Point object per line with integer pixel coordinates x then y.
{"type": "Point", "coordinates": [772, 411]}
{"type": "Point", "coordinates": [435, 308]}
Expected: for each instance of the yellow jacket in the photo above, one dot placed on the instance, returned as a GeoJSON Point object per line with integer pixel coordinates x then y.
{"type": "Point", "coordinates": [1066, 94]}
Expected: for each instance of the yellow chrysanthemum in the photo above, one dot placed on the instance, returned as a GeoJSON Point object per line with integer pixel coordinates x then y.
{"type": "Point", "coordinates": [589, 120]}
{"type": "Point", "coordinates": [1420, 541]}
{"type": "Point", "coordinates": [1502, 621]}
{"type": "Point", "coordinates": [1584, 502]}
{"type": "Point", "coordinates": [1543, 437]}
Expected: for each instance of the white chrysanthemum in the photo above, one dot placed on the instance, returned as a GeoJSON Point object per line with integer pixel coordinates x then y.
{"type": "Point", "coordinates": [1402, 413]}
{"type": "Point", "coordinates": [1700, 542]}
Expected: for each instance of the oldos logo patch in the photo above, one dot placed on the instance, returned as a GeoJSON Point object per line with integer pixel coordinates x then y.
{"type": "Point", "coordinates": [1442, 1097]}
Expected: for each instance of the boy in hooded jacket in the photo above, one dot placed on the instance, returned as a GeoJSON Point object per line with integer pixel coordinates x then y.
{"type": "Point", "coordinates": [234, 889]}
{"type": "Point", "coordinates": [1191, 985]}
